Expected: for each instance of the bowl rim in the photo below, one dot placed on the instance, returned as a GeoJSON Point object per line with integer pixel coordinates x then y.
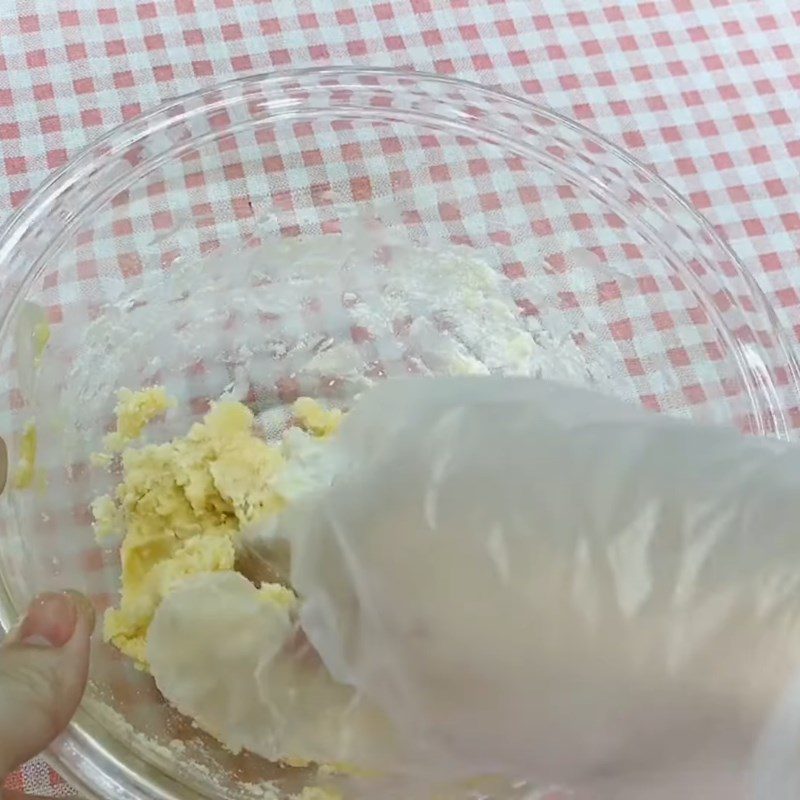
{"type": "Point", "coordinates": [69, 756]}
{"type": "Point", "coordinates": [130, 130]}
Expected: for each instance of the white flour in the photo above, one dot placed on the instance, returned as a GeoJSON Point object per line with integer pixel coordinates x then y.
{"type": "Point", "coordinates": [323, 316]}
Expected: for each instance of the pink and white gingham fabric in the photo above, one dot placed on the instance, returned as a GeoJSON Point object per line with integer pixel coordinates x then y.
{"type": "Point", "coordinates": [705, 91]}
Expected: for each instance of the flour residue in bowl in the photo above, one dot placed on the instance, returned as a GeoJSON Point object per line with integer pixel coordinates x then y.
{"type": "Point", "coordinates": [281, 339]}
{"type": "Point", "coordinates": [321, 315]}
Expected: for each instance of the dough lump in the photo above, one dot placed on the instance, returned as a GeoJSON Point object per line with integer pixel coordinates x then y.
{"type": "Point", "coordinates": [181, 504]}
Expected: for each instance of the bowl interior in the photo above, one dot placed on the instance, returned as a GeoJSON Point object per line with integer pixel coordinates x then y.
{"type": "Point", "coordinates": [199, 206]}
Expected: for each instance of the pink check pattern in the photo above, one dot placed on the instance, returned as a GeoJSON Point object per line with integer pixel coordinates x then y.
{"type": "Point", "coordinates": [705, 91]}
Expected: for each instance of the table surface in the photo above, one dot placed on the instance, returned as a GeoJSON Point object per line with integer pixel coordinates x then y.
{"type": "Point", "coordinates": [704, 91]}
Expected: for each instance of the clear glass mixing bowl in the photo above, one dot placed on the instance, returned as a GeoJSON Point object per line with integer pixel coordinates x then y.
{"type": "Point", "coordinates": [620, 265]}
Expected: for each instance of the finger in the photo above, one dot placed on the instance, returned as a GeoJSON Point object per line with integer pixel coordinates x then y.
{"type": "Point", "coordinates": [44, 664]}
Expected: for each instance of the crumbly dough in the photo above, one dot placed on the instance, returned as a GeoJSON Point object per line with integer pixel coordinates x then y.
{"type": "Point", "coordinates": [134, 410]}
{"type": "Point", "coordinates": [315, 419]}
{"type": "Point", "coordinates": [180, 505]}
{"type": "Point", "coordinates": [41, 337]}
{"type": "Point", "coordinates": [26, 466]}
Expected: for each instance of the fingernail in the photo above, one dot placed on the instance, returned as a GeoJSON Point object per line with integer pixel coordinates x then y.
{"type": "Point", "coordinates": [50, 620]}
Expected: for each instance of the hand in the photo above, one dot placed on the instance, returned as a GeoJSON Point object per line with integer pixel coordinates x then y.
{"type": "Point", "coordinates": [44, 662]}
{"type": "Point", "coordinates": [539, 582]}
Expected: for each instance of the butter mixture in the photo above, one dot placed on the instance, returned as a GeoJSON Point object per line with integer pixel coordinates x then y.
{"type": "Point", "coordinates": [26, 466]}
{"type": "Point", "coordinates": [180, 505]}
{"type": "Point", "coordinates": [134, 410]}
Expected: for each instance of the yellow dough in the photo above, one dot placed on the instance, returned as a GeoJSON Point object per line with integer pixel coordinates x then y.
{"type": "Point", "coordinates": [134, 410]}
{"type": "Point", "coordinates": [181, 504]}
{"type": "Point", "coordinates": [41, 337]}
{"type": "Point", "coordinates": [26, 466]}
{"type": "Point", "coordinates": [315, 419]}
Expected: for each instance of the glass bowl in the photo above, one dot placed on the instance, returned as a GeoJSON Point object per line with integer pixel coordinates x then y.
{"type": "Point", "coordinates": [603, 257]}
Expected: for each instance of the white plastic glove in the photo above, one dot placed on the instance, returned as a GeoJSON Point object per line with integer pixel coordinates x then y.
{"type": "Point", "coordinates": [541, 582]}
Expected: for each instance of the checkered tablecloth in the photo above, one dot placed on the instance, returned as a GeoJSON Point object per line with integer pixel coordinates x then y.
{"type": "Point", "coordinates": [706, 91]}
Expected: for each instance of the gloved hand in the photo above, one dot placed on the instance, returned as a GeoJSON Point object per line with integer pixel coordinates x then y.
{"type": "Point", "coordinates": [44, 663]}
{"type": "Point", "coordinates": [541, 582]}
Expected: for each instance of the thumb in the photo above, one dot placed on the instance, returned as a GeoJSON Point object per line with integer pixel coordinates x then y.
{"type": "Point", "coordinates": [44, 663]}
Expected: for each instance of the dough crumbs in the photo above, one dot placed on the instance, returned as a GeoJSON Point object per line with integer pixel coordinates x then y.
{"type": "Point", "coordinates": [278, 595]}
{"type": "Point", "coordinates": [26, 466]}
{"type": "Point", "coordinates": [41, 337]}
{"type": "Point", "coordinates": [106, 517]}
{"type": "Point", "coordinates": [135, 410]}
{"type": "Point", "coordinates": [315, 419]}
{"type": "Point", "coordinates": [181, 504]}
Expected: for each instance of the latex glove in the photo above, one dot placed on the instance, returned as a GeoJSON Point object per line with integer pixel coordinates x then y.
{"type": "Point", "coordinates": [537, 581]}
{"type": "Point", "coordinates": [44, 663]}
